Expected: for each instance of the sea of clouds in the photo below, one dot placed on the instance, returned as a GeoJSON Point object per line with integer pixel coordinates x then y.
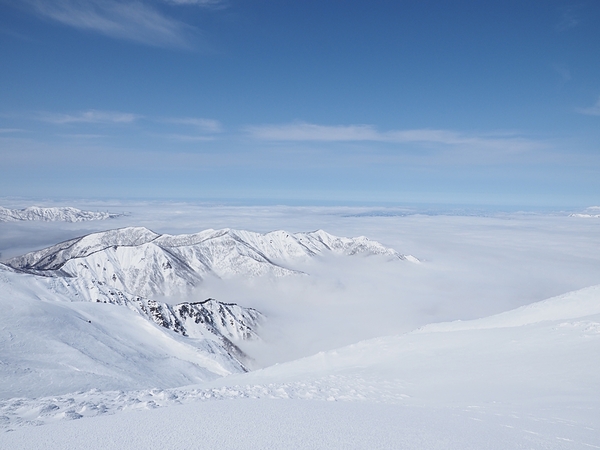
{"type": "Point", "coordinates": [471, 265]}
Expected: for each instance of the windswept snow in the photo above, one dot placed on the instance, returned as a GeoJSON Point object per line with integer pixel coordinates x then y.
{"type": "Point", "coordinates": [303, 425]}
{"type": "Point", "coordinates": [64, 214]}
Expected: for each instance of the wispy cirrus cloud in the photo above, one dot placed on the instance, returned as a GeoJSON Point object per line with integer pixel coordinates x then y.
{"type": "Point", "coordinates": [568, 19]}
{"type": "Point", "coordinates": [90, 116]}
{"type": "Point", "coordinates": [11, 130]}
{"type": "Point", "coordinates": [591, 111]}
{"type": "Point", "coordinates": [187, 137]}
{"type": "Point", "coordinates": [345, 133]}
{"type": "Point", "coordinates": [205, 125]}
{"type": "Point", "coordinates": [302, 131]}
{"type": "Point", "coordinates": [562, 71]}
{"type": "Point", "coordinates": [196, 2]}
{"type": "Point", "coordinates": [131, 20]}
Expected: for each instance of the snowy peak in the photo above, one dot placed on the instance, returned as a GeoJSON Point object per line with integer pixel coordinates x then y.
{"type": "Point", "coordinates": [348, 246]}
{"type": "Point", "coordinates": [65, 214]}
{"type": "Point", "coordinates": [53, 258]}
{"type": "Point", "coordinates": [590, 212]}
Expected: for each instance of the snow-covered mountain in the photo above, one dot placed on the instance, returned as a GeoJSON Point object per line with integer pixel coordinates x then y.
{"type": "Point", "coordinates": [87, 308]}
{"type": "Point", "coordinates": [144, 263]}
{"type": "Point", "coordinates": [63, 214]}
{"type": "Point", "coordinates": [592, 211]}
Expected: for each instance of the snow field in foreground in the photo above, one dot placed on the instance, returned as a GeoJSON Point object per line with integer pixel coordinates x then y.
{"type": "Point", "coordinates": [517, 383]}
{"type": "Point", "coordinates": [296, 424]}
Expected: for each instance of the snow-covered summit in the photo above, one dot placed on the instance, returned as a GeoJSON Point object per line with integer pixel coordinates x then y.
{"type": "Point", "coordinates": [145, 263]}
{"type": "Point", "coordinates": [591, 211]}
{"type": "Point", "coordinates": [54, 257]}
{"type": "Point", "coordinates": [64, 214]}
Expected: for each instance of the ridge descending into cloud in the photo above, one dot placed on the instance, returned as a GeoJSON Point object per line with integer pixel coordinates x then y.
{"type": "Point", "coordinates": [134, 21]}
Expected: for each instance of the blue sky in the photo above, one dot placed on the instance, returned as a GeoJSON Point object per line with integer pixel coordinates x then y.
{"type": "Point", "coordinates": [494, 102]}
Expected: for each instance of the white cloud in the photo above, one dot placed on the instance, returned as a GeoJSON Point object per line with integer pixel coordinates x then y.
{"type": "Point", "coordinates": [592, 110]}
{"type": "Point", "coordinates": [206, 125]}
{"type": "Point", "coordinates": [91, 116]}
{"type": "Point", "coordinates": [312, 132]}
{"type": "Point", "coordinates": [563, 72]}
{"type": "Point", "coordinates": [195, 2]}
{"type": "Point", "coordinates": [187, 138]}
{"type": "Point", "coordinates": [128, 20]}
{"type": "Point", "coordinates": [568, 20]}
{"type": "Point", "coordinates": [11, 130]}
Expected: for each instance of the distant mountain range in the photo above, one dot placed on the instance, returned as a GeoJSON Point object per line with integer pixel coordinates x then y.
{"type": "Point", "coordinates": [64, 214]}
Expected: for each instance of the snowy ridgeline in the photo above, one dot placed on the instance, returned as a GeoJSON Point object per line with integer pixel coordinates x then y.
{"type": "Point", "coordinates": [145, 263]}
{"type": "Point", "coordinates": [64, 328]}
{"type": "Point", "coordinates": [64, 214]}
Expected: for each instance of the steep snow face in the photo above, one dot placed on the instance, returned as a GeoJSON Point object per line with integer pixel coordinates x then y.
{"type": "Point", "coordinates": [66, 214]}
{"type": "Point", "coordinates": [142, 262]}
{"type": "Point", "coordinates": [225, 323]}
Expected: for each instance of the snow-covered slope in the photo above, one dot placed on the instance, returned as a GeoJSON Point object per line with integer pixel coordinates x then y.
{"type": "Point", "coordinates": [527, 378]}
{"type": "Point", "coordinates": [55, 340]}
{"type": "Point", "coordinates": [544, 352]}
{"type": "Point", "coordinates": [142, 262]}
{"type": "Point", "coordinates": [64, 214]}
{"type": "Point", "coordinates": [224, 323]}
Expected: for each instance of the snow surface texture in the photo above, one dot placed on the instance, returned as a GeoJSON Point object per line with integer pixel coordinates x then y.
{"type": "Point", "coordinates": [523, 379]}
{"type": "Point", "coordinates": [64, 214]}
{"type": "Point", "coordinates": [140, 261]}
